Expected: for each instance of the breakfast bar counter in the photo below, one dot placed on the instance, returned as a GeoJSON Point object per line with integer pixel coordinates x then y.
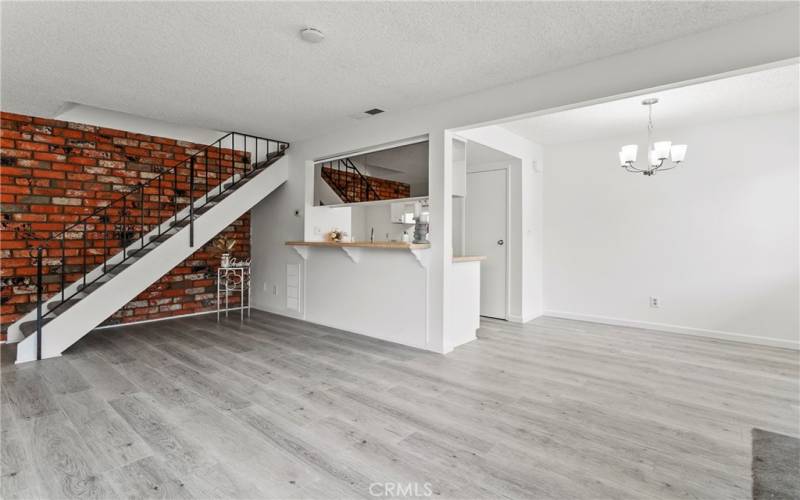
{"type": "Point", "coordinates": [381, 289]}
{"type": "Point", "coordinates": [386, 245]}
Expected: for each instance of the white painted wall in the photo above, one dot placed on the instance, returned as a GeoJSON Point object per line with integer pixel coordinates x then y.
{"type": "Point", "coordinates": [323, 220]}
{"type": "Point", "coordinates": [716, 240]}
{"type": "Point", "coordinates": [466, 303]}
{"type": "Point", "coordinates": [383, 295]}
{"type": "Point", "coordinates": [525, 216]}
{"type": "Point", "coordinates": [713, 52]}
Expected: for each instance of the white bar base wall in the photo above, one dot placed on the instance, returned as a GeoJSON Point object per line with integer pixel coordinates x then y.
{"type": "Point", "coordinates": [465, 303]}
{"type": "Point", "coordinates": [383, 293]}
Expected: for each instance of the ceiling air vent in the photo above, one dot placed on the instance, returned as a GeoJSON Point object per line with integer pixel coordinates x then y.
{"type": "Point", "coordinates": [373, 111]}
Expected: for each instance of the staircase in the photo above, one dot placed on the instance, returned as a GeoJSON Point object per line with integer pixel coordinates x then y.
{"type": "Point", "coordinates": [108, 258]}
{"type": "Point", "coordinates": [347, 181]}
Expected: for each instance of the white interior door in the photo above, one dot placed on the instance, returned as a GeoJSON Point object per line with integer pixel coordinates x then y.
{"type": "Point", "coordinates": [486, 224]}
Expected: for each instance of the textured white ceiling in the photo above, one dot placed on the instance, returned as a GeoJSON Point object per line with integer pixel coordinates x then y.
{"type": "Point", "coordinates": [767, 91]}
{"type": "Point", "coordinates": [241, 65]}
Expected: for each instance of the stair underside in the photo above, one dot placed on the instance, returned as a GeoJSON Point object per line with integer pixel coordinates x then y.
{"type": "Point", "coordinates": [54, 309]}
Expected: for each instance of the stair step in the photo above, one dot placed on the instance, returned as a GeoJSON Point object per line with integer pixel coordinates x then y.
{"type": "Point", "coordinates": [140, 251]}
{"type": "Point", "coordinates": [91, 287]}
{"type": "Point", "coordinates": [67, 304]}
{"type": "Point", "coordinates": [118, 269]}
{"type": "Point", "coordinates": [166, 235]}
{"type": "Point", "coordinates": [29, 327]}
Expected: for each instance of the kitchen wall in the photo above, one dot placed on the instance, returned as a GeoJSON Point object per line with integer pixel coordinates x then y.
{"type": "Point", "coordinates": [715, 240]}
{"type": "Point", "coordinates": [379, 218]}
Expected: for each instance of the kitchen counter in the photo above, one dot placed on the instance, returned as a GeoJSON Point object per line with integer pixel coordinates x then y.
{"type": "Point", "coordinates": [363, 288]}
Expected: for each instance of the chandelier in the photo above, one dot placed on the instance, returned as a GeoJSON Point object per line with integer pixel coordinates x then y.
{"type": "Point", "coordinates": [661, 155]}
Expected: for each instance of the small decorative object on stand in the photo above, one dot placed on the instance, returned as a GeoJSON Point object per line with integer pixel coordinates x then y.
{"type": "Point", "coordinates": [233, 278]}
{"type": "Point", "coordinates": [224, 246]}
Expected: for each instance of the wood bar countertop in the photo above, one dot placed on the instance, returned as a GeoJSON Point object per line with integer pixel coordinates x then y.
{"type": "Point", "coordinates": [386, 245]}
{"type": "Point", "coordinates": [469, 258]}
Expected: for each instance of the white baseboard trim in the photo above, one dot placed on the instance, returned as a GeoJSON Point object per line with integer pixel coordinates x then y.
{"type": "Point", "coordinates": [682, 330]}
{"type": "Point", "coordinates": [167, 318]}
{"type": "Point", "coordinates": [522, 319]}
{"type": "Point", "coordinates": [289, 313]}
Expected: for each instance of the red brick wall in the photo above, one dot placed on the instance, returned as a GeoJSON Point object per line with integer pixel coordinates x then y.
{"type": "Point", "coordinates": [54, 173]}
{"type": "Point", "coordinates": [351, 184]}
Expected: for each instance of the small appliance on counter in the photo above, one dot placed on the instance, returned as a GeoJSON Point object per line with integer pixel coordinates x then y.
{"type": "Point", "coordinates": [421, 228]}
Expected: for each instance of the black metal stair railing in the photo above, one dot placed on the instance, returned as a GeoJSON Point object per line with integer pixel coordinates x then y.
{"type": "Point", "coordinates": [345, 178]}
{"type": "Point", "coordinates": [216, 169]}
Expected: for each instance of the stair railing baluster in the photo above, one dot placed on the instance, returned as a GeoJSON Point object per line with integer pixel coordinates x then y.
{"type": "Point", "coordinates": [141, 213]}
{"type": "Point", "coordinates": [123, 235]}
{"type": "Point", "coordinates": [206, 187]}
{"type": "Point", "coordinates": [191, 202]}
{"type": "Point", "coordinates": [39, 303]}
{"type": "Point", "coordinates": [233, 158]}
{"type": "Point", "coordinates": [175, 193]}
{"type": "Point", "coordinates": [84, 253]}
{"type": "Point", "coordinates": [63, 259]}
{"type": "Point", "coordinates": [105, 241]}
{"type": "Point", "coordinates": [219, 164]}
{"type": "Point", "coordinates": [158, 219]}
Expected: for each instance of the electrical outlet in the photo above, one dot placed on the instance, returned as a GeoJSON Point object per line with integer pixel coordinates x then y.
{"type": "Point", "coordinates": [274, 289]}
{"type": "Point", "coordinates": [655, 302]}
{"type": "Point", "coordinates": [265, 286]}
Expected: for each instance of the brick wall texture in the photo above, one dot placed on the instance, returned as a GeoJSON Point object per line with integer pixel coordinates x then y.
{"type": "Point", "coordinates": [353, 187]}
{"type": "Point", "coordinates": [55, 173]}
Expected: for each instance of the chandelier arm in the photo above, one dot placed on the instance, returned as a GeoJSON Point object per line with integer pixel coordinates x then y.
{"type": "Point", "coordinates": [668, 168]}
{"type": "Point", "coordinates": [631, 168]}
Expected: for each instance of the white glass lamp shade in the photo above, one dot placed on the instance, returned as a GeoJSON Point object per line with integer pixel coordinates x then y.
{"type": "Point", "coordinates": [652, 158]}
{"type": "Point", "coordinates": [661, 149]}
{"type": "Point", "coordinates": [628, 153]}
{"type": "Point", "coordinates": [621, 158]}
{"type": "Point", "coordinates": [678, 153]}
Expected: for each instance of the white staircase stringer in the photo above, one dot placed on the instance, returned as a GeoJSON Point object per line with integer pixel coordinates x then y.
{"type": "Point", "coordinates": [92, 310]}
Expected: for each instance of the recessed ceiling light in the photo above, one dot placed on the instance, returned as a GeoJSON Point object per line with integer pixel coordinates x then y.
{"type": "Point", "coordinates": [373, 111]}
{"type": "Point", "coordinates": [311, 35]}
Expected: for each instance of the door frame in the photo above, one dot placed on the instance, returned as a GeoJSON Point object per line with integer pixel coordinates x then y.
{"type": "Point", "coordinates": [489, 167]}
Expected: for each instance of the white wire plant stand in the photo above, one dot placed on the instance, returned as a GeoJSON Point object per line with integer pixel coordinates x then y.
{"type": "Point", "coordinates": [231, 280]}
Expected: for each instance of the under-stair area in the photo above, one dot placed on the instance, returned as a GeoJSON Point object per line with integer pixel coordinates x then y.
{"type": "Point", "coordinates": [106, 259]}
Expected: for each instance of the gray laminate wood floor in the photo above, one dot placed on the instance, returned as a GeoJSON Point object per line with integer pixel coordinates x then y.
{"type": "Point", "coordinates": [278, 408]}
